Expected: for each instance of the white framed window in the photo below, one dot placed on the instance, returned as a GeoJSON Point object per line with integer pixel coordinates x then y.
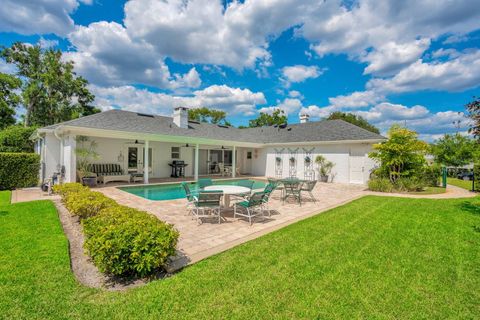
{"type": "Point", "coordinates": [175, 152]}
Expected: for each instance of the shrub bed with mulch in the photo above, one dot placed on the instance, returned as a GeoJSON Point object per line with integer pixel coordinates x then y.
{"type": "Point", "coordinates": [121, 241]}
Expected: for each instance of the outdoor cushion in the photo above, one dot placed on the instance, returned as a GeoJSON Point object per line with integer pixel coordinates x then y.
{"type": "Point", "coordinates": [106, 169]}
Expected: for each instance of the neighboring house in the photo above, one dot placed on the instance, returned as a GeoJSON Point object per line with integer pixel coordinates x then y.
{"type": "Point", "coordinates": [127, 138]}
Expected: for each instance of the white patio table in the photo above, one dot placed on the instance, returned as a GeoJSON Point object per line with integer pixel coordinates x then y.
{"type": "Point", "coordinates": [228, 190]}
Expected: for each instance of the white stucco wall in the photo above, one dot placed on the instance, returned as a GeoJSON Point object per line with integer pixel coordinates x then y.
{"type": "Point", "coordinates": [339, 154]}
{"type": "Point", "coordinates": [51, 154]}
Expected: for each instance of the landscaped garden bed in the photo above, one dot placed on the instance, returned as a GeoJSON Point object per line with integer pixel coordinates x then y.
{"type": "Point", "coordinates": [125, 244]}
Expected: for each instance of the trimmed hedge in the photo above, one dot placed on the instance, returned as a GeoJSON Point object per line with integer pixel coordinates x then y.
{"type": "Point", "coordinates": [19, 170]}
{"type": "Point", "coordinates": [127, 242]}
{"type": "Point", "coordinates": [121, 241]}
{"type": "Point", "coordinates": [67, 188]}
{"type": "Point", "coordinates": [85, 204]}
{"type": "Point", "coordinates": [16, 139]}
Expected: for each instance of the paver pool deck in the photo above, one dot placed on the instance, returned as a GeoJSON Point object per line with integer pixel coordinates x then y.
{"type": "Point", "coordinates": [200, 241]}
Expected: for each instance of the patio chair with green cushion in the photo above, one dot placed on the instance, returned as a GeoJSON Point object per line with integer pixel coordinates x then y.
{"type": "Point", "coordinates": [207, 204]}
{"type": "Point", "coordinates": [246, 183]}
{"type": "Point", "coordinates": [278, 185]}
{"type": "Point", "coordinates": [308, 187]}
{"type": "Point", "coordinates": [189, 196]}
{"type": "Point", "coordinates": [204, 182]}
{"type": "Point", "coordinates": [269, 188]}
{"type": "Point", "coordinates": [252, 206]}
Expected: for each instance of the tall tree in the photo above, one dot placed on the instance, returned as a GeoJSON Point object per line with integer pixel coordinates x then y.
{"type": "Point", "coordinates": [9, 99]}
{"type": "Point", "coordinates": [51, 91]}
{"type": "Point", "coordinates": [473, 109]}
{"type": "Point", "coordinates": [453, 150]}
{"type": "Point", "coordinates": [277, 117]}
{"type": "Point", "coordinates": [402, 155]}
{"type": "Point", "coordinates": [205, 114]}
{"type": "Point", "coordinates": [353, 119]}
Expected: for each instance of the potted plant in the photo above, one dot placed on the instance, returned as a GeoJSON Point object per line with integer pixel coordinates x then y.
{"type": "Point", "coordinates": [307, 160]}
{"type": "Point", "coordinates": [324, 167]}
{"type": "Point", "coordinates": [278, 160]}
{"type": "Point", "coordinates": [86, 152]}
{"type": "Point", "coordinates": [292, 160]}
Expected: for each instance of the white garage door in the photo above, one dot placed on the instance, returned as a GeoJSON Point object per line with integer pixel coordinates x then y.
{"type": "Point", "coordinates": [357, 164]}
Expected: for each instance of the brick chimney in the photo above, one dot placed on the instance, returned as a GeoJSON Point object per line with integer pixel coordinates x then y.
{"type": "Point", "coordinates": [180, 117]}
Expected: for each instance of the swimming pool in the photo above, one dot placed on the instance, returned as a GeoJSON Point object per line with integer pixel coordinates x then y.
{"type": "Point", "coordinates": [175, 191]}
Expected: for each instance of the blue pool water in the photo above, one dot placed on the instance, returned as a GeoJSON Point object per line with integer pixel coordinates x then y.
{"type": "Point", "coordinates": [175, 191]}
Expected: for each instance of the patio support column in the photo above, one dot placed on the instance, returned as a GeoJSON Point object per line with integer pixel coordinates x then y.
{"type": "Point", "coordinates": [234, 162]}
{"type": "Point", "coordinates": [196, 161]}
{"type": "Point", "coordinates": [146, 165]}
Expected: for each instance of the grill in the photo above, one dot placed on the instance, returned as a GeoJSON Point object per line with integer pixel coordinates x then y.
{"type": "Point", "coordinates": [178, 168]}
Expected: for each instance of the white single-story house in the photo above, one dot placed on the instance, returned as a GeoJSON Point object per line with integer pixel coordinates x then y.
{"type": "Point", "coordinates": [147, 144]}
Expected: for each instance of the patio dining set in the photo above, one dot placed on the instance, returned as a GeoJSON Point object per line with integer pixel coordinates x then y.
{"type": "Point", "coordinates": [212, 200]}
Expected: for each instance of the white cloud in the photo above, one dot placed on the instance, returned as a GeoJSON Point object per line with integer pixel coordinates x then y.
{"type": "Point", "coordinates": [391, 57]}
{"type": "Point", "coordinates": [232, 100]}
{"type": "Point", "coordinates": [456, 38]}
{"type": "Point", "coordinates": [355, 100]}
{"type": "Point", "coordinates": [106, 55]}
{"type": "Point", "coordinates": [295, 94]}
{"type": "Point", "coordinates": [206, 31]}
{"type": "Point", "coordinates": [453, 75]}
{"type": "Point", "coordinates": [299, 73]}
{"type": "Point", "coordinates": [386, 111]}
{"type": "Point", "coordinates": [37, 17]}
{"type": "Point", "coordinates": [389, 34]}
{"type": "Point", "coordinates": [289, 105]}
{"type": "Point", "coordinates": [47, 43]}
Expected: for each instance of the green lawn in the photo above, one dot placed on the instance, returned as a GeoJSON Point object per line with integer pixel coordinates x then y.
{"type": "Point", "coordinates": [430, 190]}
{"type": "Point", "coordinates": [5, 197]}
{"type": "Point", "coordinates": [378, 257]}
{"type": "Point", "coordinates": [465, 184]}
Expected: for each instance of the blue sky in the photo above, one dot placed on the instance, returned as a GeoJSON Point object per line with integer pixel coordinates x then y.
{"type": "Point", "coordinates": [389, 61]}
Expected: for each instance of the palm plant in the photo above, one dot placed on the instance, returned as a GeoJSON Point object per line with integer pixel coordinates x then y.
{"type": "Point", "coordinates": [324, 167]}
{"type": "Point", "coordinates": [86, 153]}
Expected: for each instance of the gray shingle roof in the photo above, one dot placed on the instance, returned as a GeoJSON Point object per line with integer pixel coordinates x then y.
{"type": "Point", "coordinates": [326, 130]}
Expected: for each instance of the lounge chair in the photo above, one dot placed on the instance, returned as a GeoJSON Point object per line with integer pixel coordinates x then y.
{"type": "Point", "coordinates": [207, 204]}
{"type": "Point", "coordinates": [252, 206]}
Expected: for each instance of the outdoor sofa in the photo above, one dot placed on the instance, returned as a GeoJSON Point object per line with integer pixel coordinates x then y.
{"type": "Point", "coordinates": [108, 172]}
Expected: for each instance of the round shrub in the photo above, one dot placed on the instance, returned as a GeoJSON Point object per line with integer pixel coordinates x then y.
{"type": "Point", "coordinates": [127, 242]}
{"type": "Point", "coordinates": [87, 203]}
{"type": "Point", "coordinates": [380, 185]}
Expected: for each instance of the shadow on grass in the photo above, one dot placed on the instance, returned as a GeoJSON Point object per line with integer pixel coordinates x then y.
{"type": "Point", "coordinates": [470, 207]}
{"type": "Point", "coordinates": [3, 213]}
{"type": "Point", "coordinates": [476, 229]}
